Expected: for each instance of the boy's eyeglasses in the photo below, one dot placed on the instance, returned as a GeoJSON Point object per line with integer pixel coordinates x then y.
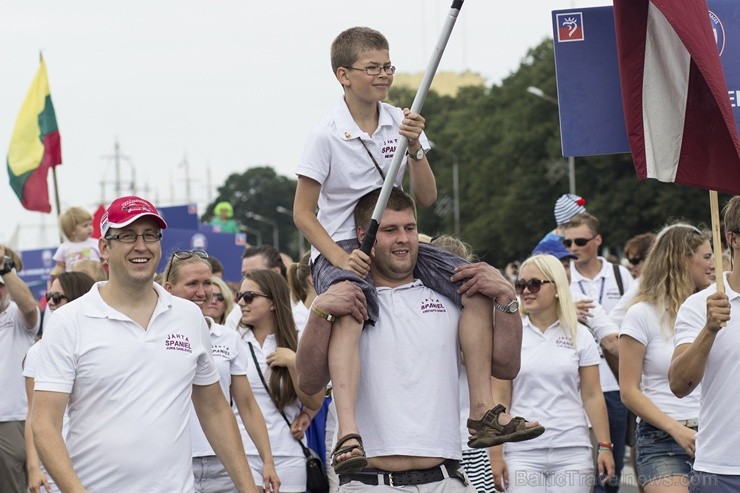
{"type": "Point", "coordinates": [635, 260]}
{"type": "Point", "coordinates": [249, 296]}
{"type": "Point", "coordinates": [372, 71]}
{"type": "Point", "coordinates": [182, 255]}
{"type": "Point", "coordinates": [533, 285]}
{"type": "Point", "coordinates": [218, 297]}
{"type": "Point", "coordinates": [56, 298]}
{"type": "Point", "coordinates": [132, 237]}
{"type": "Point", "coordinates": [578, 241]}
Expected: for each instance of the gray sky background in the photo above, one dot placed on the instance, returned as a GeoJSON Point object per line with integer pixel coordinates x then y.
{"type": "Point", "coordinates": [227, 84]}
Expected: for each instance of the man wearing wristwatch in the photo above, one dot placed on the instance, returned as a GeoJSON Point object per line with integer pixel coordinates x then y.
{"type": "Point", "coordinates": [407, 405]}
{"type": "Point", "coordinates": [19, 324]}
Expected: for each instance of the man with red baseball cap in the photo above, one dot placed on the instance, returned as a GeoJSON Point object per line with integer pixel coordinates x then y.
{"type": "Point", "coordinates": [127, 358]}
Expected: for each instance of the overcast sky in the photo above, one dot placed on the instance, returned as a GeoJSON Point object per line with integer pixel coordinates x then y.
{"type": "Point", "coordinates": [227, 84]}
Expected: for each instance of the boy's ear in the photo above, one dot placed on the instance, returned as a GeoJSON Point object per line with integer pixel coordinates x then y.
{"type": "Point", "coordinates": [342, 76]}
{"type": "Point", "coordinates": [360, 234]}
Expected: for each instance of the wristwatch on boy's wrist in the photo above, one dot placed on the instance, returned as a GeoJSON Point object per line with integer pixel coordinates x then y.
{"type": "Point", "coordinates": [416, 156]}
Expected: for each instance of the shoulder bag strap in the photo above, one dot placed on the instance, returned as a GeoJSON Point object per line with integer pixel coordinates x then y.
{"type": "Point", "coordinates": [377, 166]}
{"type": "Point", "coordinates": [618, 276]}
{"type": "Point", "coordinates": [264, 383]}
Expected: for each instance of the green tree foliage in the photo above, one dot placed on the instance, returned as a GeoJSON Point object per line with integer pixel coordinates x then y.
{"type": "Point", "coordinates": [260, 190]}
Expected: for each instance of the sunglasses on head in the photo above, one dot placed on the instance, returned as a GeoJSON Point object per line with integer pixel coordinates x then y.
{"type": "Point", "coordinates": [182, 255]}
{"type": "Point", "coordinates": [578, 241]}
{"type": "Point", "coordinates": [249, 296]}
{"type": "Point", "coordinates": [635, 260]}
{"type": "Point", "coordinates": [55, 297]}
{"type": "Point", "coordinates": [532, 285]}
{"type": "Point", "coordinates": [217, 297]}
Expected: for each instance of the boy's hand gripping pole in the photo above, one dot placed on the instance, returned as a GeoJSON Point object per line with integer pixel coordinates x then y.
{"type": "Point", "coordinates": [403, 143]}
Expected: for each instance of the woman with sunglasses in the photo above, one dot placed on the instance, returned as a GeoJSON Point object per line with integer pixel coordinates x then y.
{"type": "Point", "coordinates": [66, 287]}
{"type": "Point", "coordinates": [678, 265]}
{"type": "Point", "coordinates": [188, 275]}
{"type": "Point", "coordinates": [557, 382]}
{"type": "Point", "coordinates": [221, 302]}
{"type": "Point", "coordinates": [268, 329]}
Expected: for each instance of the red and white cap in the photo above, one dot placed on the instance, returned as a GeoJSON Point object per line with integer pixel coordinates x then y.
{"type": "Point", "coordinates": [125, 210]}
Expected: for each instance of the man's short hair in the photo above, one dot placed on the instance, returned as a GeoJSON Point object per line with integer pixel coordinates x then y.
{"type": "Point", "coordinates": [731, 215]}
{"type": "Point", "coordinates": [272, 256]}
{"type": "Point", "coordinates": [587, 219]}
{"type": "Point", "coordinates": [397, 201]}
{"type": "Point", "coordinates": [347, 46]}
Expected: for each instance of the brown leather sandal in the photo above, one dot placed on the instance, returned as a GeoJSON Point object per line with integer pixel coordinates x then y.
{"type": "Point", "coordinates": [354, 463]}
{"type": "Point", "coordinates": [489, 432]}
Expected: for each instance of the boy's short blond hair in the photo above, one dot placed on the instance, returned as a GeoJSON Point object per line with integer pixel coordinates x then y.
{"type": "Point", "coordinates": [346, 48]}
{"type": "Point", "coordinates": [70, 218]}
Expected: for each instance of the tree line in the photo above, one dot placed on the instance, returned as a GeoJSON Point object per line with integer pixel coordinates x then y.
{"type": "Point", "coordinates": [511, 172]}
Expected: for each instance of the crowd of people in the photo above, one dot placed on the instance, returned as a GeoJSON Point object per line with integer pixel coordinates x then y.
{"type": "Point", "coordinates": [416, 364]}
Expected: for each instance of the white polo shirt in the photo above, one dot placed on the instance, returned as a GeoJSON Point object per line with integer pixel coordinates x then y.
{"type": "Point", "coordinates": [716, 444]}
{"type": "Point", "coordinates": [282, 442]}
{"type": "Point", "coordinates": [335, 157]}
{"type": "Point", "coordinates": [230, 356]}
{"type": "Point", "coordinates": [407, 402]}
{"type": "Point", "coordinates": [15, 339]}
{"type": "Point", "coordinates": [130, 390]}
{"type": "Point", "coordinates": [643, 323]}
{"type": "Point", "coordinates": [604, 290]}
{"type": "Point", "coordinates": [547, 388]}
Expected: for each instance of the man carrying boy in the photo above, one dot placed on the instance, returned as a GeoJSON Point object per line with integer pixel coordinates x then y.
{"type": "Point", "coordinates": [128, 357]}
{"type": "Point", "coordinates": [407, 399]}
{"type": "Point", "coordinates": [346, 157]}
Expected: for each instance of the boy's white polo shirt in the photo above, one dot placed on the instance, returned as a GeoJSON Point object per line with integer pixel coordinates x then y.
{"type": "Point", "coordinates": [603, 289]}
{"type": "Point", "coordinates": [547, 388]}
{"type": "Point", "coordinates": [716, 444]}
{"type": "Point", "coordinates": [230, 356]}
{"type": "Point", "coordinates": [282, 442]}
{"type": "Point", "coordinates": [129, 389]}
{"type": "Point", "coordinates": [643, 323]}
{"type": "Point", "coordinates": [335, 157]}
{"type": "Point", "coordinates": [15, 339]}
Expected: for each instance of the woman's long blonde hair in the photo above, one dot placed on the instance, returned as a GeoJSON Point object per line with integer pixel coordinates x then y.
{"type": "Point", "coordinates": [554, 272]}
{"type": "Point", "coordinates": [665, 280]}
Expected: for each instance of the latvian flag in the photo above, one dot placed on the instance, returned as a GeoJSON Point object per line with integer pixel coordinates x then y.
{"type": "Point", "coordinates": [676, 108]}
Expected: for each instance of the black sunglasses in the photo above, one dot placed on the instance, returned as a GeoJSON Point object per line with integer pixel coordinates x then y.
{"type": "Point", "coordinates": [249, 296]}
{"type": "Point", "coordinates": [635, 260]}
{"type": "Point", "coordinates": [182, 255]}
{"type": "Point", "coordinates": [578, 241]}
{"type": "Point", "coordinates": [55, 297]}
{"type": "Point", "coordinates": [533, 285]}
{"type": "Point", "coordinates": [218, 297]}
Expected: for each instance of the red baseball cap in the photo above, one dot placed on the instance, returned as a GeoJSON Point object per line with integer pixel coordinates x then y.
{"type": "Point", "coordinates": [125, 210]}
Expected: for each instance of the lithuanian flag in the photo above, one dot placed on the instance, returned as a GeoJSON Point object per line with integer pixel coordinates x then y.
{"type": "Point", "coordinates": [35, 145]}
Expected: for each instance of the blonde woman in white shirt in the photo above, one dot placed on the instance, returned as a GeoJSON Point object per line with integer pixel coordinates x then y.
{"type": "Point", "coordinates": [678, 265]}
{"type": "Point", "coordinates": [558, 381]}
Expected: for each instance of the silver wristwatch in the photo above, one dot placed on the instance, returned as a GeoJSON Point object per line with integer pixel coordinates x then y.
{"type": "Point", "coordinates": [508, 308]}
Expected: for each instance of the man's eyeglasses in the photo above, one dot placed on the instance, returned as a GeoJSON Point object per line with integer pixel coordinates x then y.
{"type": "Point", "coordinates": [249, 296]}
{"type": "Point", "coordinates": [533, 285]}
{"type": "Point", "coordinates": [56, 298]}
{"type": "Point", "coordinates": [132, 237]}
{"type": "Point", "coordinates": [218, 297]}
{"type": "Point", "coordinates": [635, 260]}
{"type": "Point", "coordinates": [182, 255]}
{"type": "Point", "coordinates": [375, 70]}
{"type": "Point", "coordinates": [578, 241]}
